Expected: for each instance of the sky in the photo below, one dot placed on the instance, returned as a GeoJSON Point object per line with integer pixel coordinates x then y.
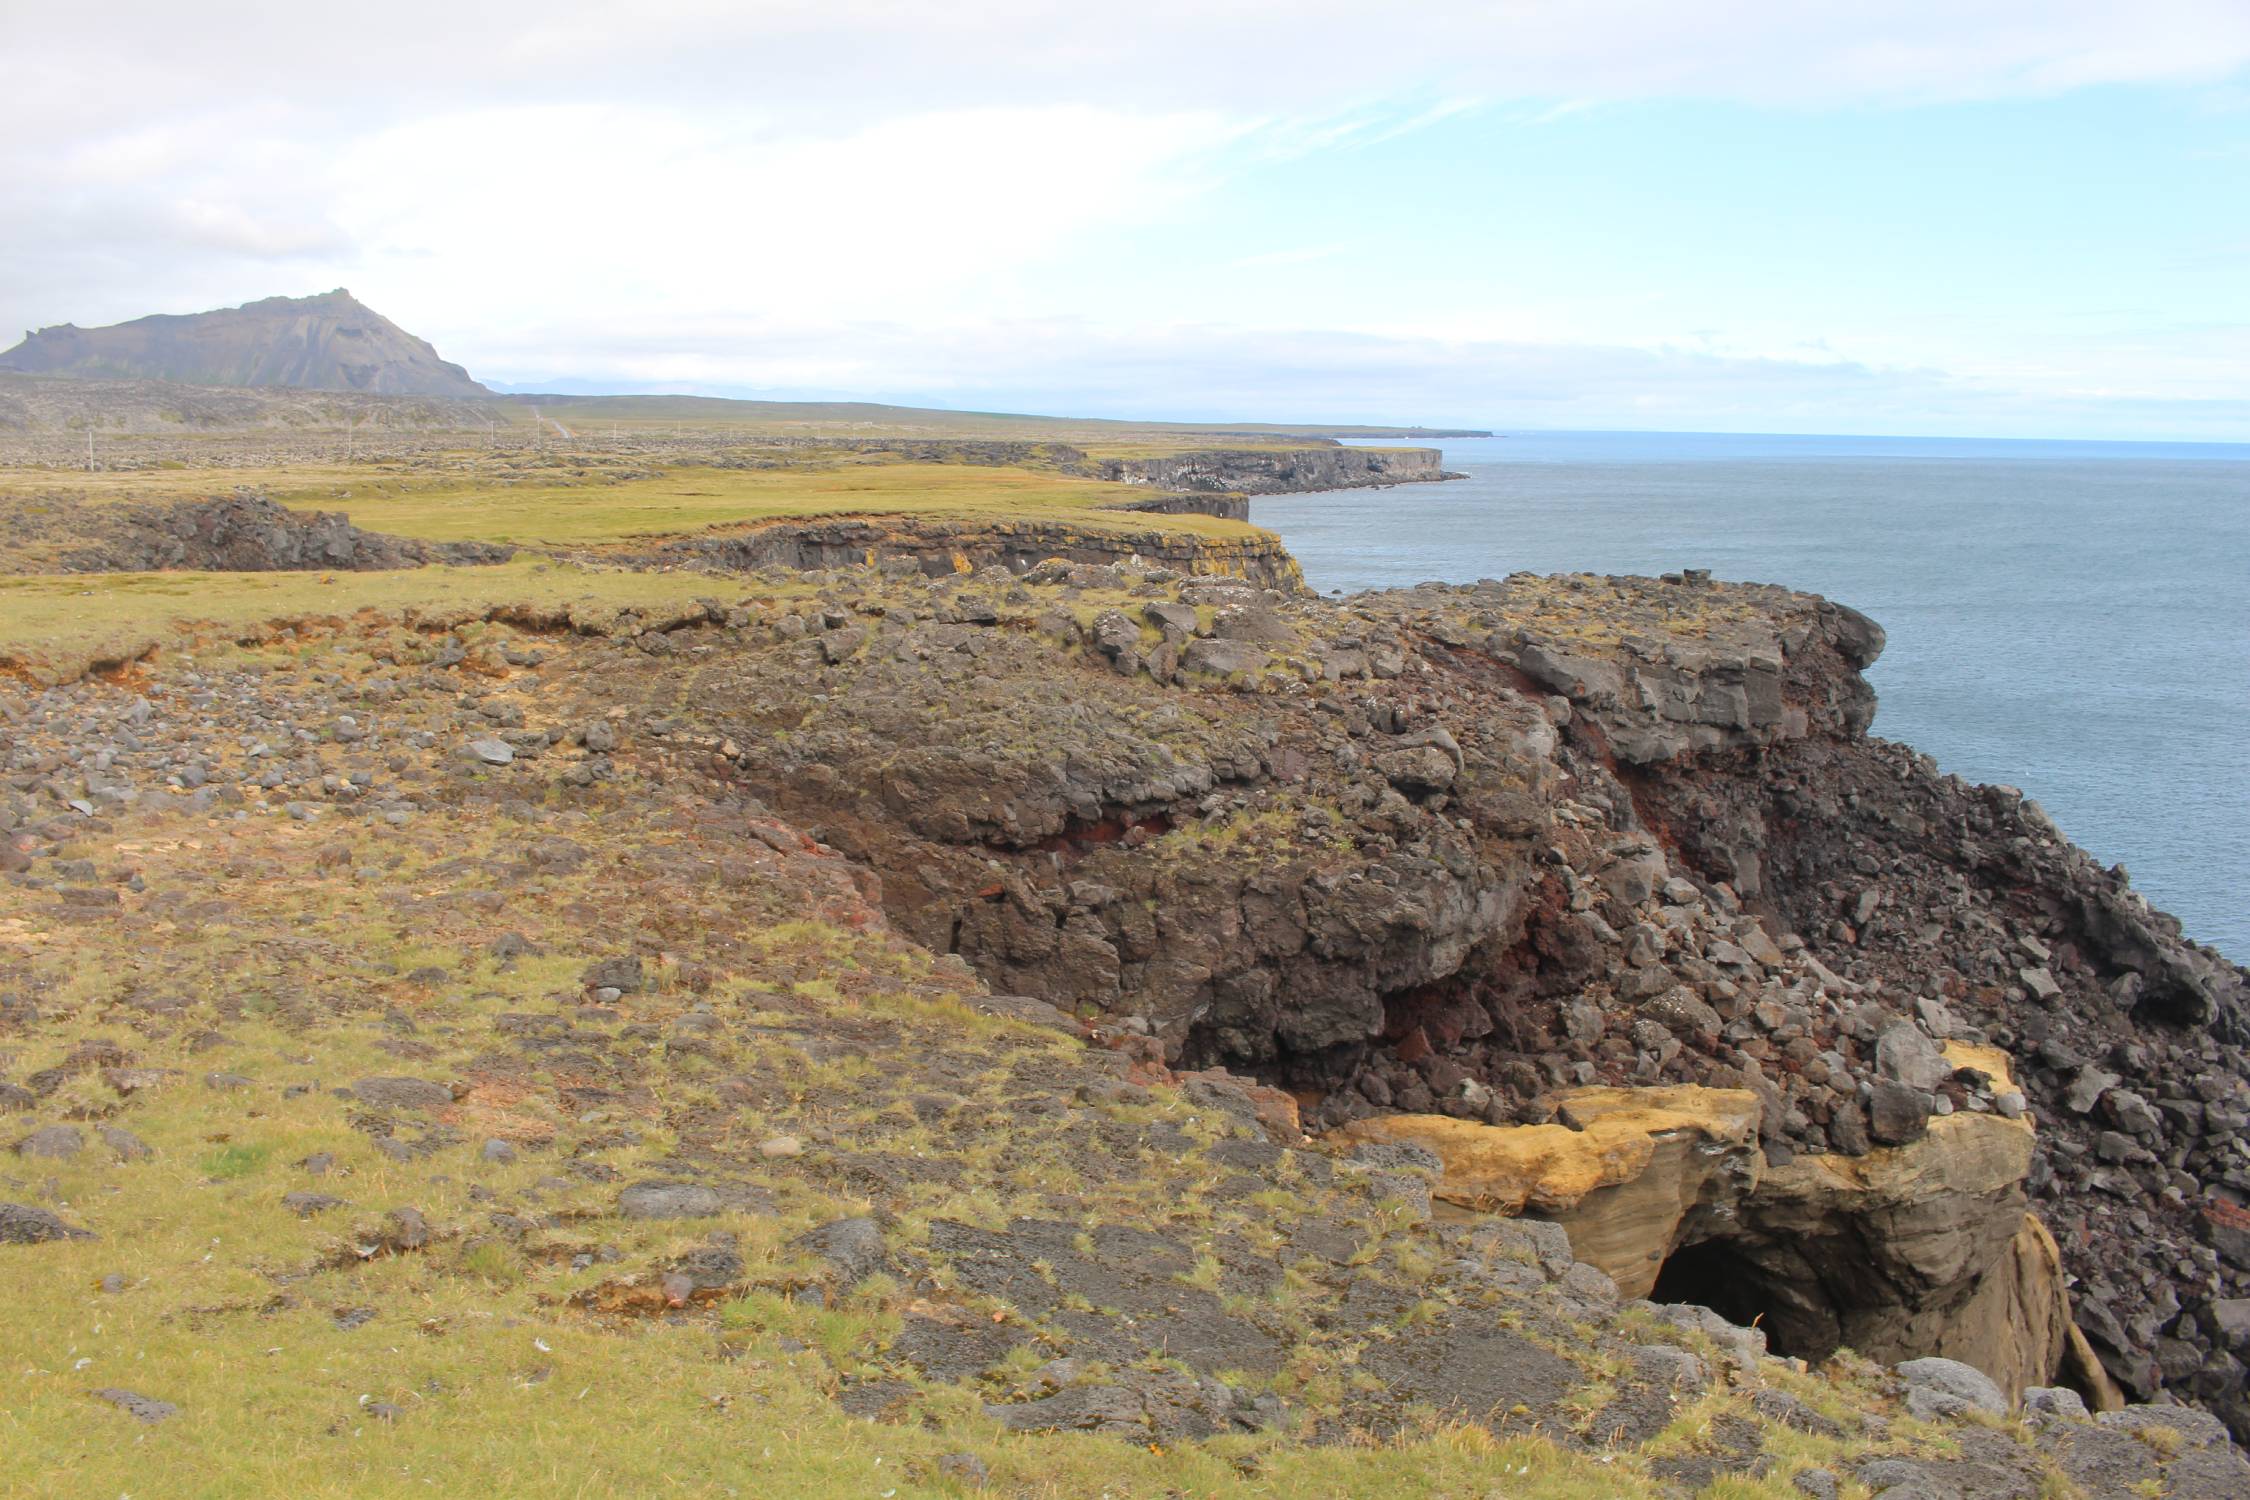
{"type": "Point", "coordinates": [1963, 217]}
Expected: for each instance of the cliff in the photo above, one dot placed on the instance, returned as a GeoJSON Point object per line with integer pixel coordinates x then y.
{"type": "Point", "coordinates": [1039, 998]}
{"type": "Point", "coordinates": [326, 342]}
{"type": "Point", "coordinates": [940, 547]}
{"type": "Point", "coordinates": [1276, 471]}
{"type": "Point", "coordinates": [240, 533]}
{"type": "Point", "coordinates": [1905, 1251]}
{"type": "Point", "coordinates": [1460, 850]}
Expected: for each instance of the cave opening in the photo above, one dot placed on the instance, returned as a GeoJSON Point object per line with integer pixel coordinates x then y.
{"type": "Point", "coordinates": [1716, 1274]}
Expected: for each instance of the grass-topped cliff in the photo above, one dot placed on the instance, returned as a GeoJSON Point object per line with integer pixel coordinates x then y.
{"type": "Point", "coordinates": [843, 969]}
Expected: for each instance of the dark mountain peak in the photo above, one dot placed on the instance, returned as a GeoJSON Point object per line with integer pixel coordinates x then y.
{"type": "Point", "coordinates": [328, 341]}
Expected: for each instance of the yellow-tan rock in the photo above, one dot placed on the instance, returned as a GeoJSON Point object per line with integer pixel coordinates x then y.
{"type": "Point", "coordinates": [1926, 1248]}
{"type": "Point", "coordinates": [1550, 1169]}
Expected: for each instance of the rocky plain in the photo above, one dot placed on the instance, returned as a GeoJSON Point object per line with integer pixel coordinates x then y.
{"type": "Point", "coordinates": [934, 1004]}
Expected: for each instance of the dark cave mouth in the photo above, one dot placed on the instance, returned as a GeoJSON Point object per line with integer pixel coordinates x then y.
{"type": "Point", "coordinates": [1717, 1275]}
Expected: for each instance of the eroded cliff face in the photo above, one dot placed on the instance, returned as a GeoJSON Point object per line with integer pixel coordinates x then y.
{"type": "Point", "coordinates": [1465, 851]}
{"type": "Point", "coordinates": [243, 532]}
{"type": "Point", "coordinates": [942, 548]}
{"type": "Point", "coordinates": [1276, 471]}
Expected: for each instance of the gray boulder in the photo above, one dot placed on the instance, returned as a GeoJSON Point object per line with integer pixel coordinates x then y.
{"type": "Point", "coordinates": [402, 1093]}
{"type": "Point", "coordinates": [1898, 1113]}
{"type": "Point", "coordinates": [2054, 1401]}
{"type": "Point", "coordinates": [668, 1200]}
{"type": "Point", "coordinates": [1223, 658]}
{"type": "Point", "coordinates": [851, 1248]}
{"type": "Point", "coordinates": [22, 1224]}
{"type": "Point", "coordinates": [1904, 1053]}
{"type": "Point", "coordinates": [52, 1143]}
{"type": "Point", "coordinates": [1946, 1387]}
{"type": "Point", "coordinates": [622, 974]}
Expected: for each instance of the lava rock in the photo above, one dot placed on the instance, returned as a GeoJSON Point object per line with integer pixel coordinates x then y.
{"type": "Point", "coordinates": [1947, 1387]}
{"type": "Point", "coordinates": [668, 1200]}
{"type": "Point", "coordinates": [23, 1224]}
{"type": "Point", "coordinates": [1897, 1114]}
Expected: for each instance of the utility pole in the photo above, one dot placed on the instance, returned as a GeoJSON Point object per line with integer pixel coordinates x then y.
{"type": "Point", "coordinates": [89, 447]}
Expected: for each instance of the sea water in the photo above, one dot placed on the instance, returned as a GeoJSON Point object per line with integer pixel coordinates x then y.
{"type": "Point", "coordinates": [2069, 618]}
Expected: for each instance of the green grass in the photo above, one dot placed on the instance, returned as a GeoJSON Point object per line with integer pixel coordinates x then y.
{"type": "Point", "coordinates": [230, 1162]}
{"type": "Point", "coordinates": [111, 616]}
{"type": "Point", "coordinates": [694, 499]}
{"type": "Point", "coordinates": [502, 1384]}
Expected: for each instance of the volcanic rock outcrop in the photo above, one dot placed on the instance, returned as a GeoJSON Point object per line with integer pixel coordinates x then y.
{"type": "Point", "coordinates": [707, 876]}
{"type": "Point", "coordinates": [1277, 471]}
{"type": "Point", "coordinates": [1464, 850]}
{"type": "Point", "coordinates": [244, 532]}
{"type": "Point", "coordinates": [1908, 1251]}
{"type": "Point", "coordinates": [943, 548]}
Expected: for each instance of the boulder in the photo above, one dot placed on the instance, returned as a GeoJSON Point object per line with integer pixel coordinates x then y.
{"type": "Point", "coordinates": [1181, 619]}
{"type": "Point", "coordinates": [1947, 1387]}
{"type": "Point", "coordinates": [622, 974]}
{"type": "Point", "coordinates": [52, 1143]}
{"type": "Point", "coordinates": [24, 1224]}
{"type": "Point", "coordinates": [1418, 771]}
{"type": "Point", "coordinates": [1635, 877]}
{"type": "Point", "coordinates": [668, 1200]}
{"type": "Point", "coordinates": [1904, 1054]}
{"type": "Point", "coordinates": [402, 1093]}
{"type": "Point", "coordinates": [852, 1249]}
{"type": "Point", "coordinates": [1219, 658]}
{"type": "Point", "coordinates": [1897, 1115]}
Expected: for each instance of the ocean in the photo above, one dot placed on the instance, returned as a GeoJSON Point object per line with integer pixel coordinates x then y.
{"type": "Point", "coordinates": [2070, 618]}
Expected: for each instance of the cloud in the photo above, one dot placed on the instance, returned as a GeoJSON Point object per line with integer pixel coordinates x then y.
{"type": "Point", "coordinates": [906, 56]}
{"type": "Point", "coordinates": [892, 195]}
{"type": "Point", "coordinates": [1221, 372]}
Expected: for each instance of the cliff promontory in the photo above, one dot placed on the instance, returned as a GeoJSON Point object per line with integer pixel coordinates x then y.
{"type": "Point", "coordinates": [1277, 471]}
{"type": "Point", "coordinates": [1463, 850]}
{"type": "Point", "coordinates": [868, 965]}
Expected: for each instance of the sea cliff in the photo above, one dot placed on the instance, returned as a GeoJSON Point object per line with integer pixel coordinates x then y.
{"type": "Point", "coordinates": [1026, 971]}
{"type": "Point", "coordinates": [1276, 471]}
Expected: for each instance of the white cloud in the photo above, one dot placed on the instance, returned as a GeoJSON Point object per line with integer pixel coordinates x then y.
{"type": "Point", "coordinates": [898, 196]}
{"type": "Point", "coordinates": [1220, 372]}
{"type": "Point", "coordinates": [1253, 55]}
{"type": "Point", "coordinates": [667, 211]}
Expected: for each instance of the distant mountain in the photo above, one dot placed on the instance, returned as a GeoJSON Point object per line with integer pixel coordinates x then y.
{"type": "Point", "coordinates": [331, 342]}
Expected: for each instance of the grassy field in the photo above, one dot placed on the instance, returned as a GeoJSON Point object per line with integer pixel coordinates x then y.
{"type": "Point", "coordinates": [61, 623]}
{"type": "Point", "coordinates": [305, 1361]}
{"type": "Point", "coordinates": [687, 499]}
{"type": "Point", "coordinates": [557, 502]}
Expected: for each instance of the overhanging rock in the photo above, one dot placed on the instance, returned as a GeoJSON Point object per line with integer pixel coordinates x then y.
{"type": "Point", "coordinates": [1921, 1249]}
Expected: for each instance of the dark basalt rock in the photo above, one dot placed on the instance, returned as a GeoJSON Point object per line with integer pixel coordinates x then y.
{"type": "Point", "coordinates": [1451, 849]}
{"type": "Point", "coordinates": [247, 532]}
{"type": "Point", "coordinates": [23, 1224]}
